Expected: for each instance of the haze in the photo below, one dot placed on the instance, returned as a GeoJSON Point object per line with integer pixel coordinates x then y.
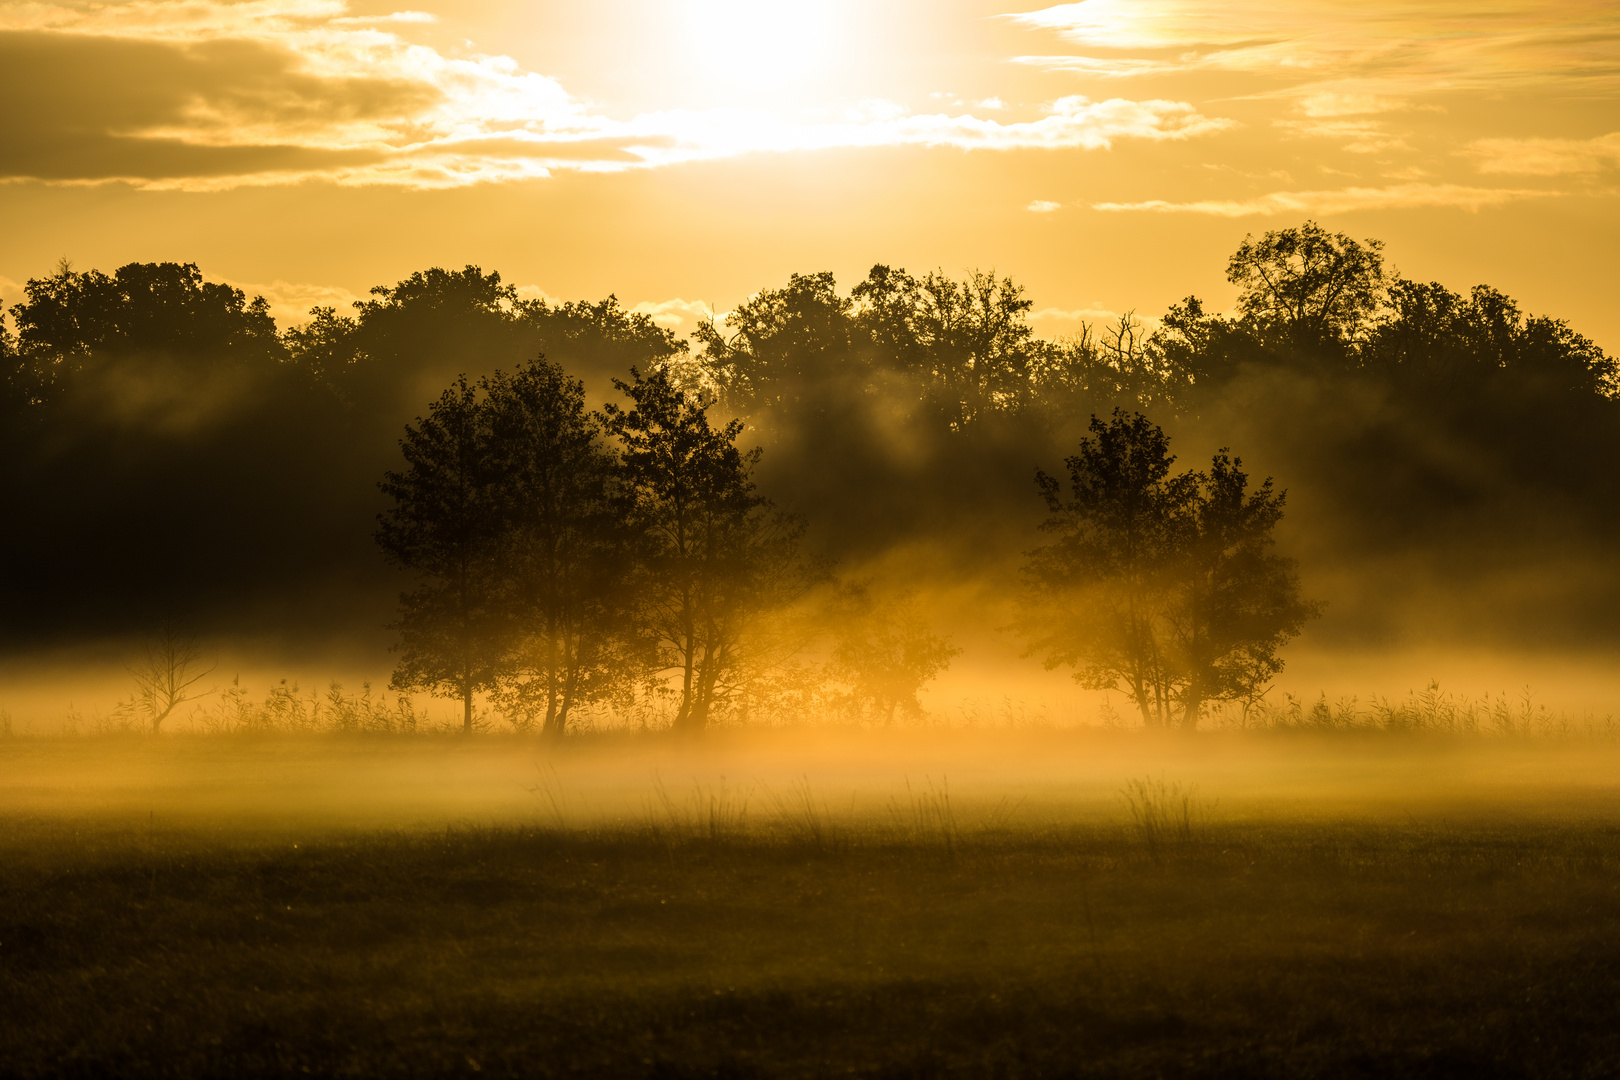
{"type": "Point", "coordinates": [658, 538]}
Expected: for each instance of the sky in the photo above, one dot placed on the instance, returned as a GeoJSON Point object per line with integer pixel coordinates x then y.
{"type": "Point", "coordinates": [1109, 154]}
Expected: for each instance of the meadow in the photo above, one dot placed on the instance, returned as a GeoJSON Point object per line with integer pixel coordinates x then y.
{"type": "Point", "coordinates": [811, 903]}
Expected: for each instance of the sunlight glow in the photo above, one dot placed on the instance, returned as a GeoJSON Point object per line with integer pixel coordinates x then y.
{"type": "Point", "coordinates": [762, 44]}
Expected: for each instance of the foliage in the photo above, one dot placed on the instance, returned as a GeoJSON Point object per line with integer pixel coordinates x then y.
{"type": "Point", "coordinates": [785, 344]}
{"type": "Point", "coordinates": [166, 450]}
{"type": "Point", "coordinates": [568, 555]}
{"type": "Point", "coordinates": [70, 318]}
{"type": "Point", "coordinates": [883, 652]}
{"type": "Point", "coordinates": [1164, 586]}
{"type": "Point", "coordinates": [720, 559]}
{"type": "Point", "coordinates": [445, 526]}
{"type": "Point", "coordinates": [1313, 289]}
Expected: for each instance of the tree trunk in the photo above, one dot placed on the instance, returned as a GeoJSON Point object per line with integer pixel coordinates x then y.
{"type": "Point", "coordinates": [683, 715]}
{"type": "Point", "coordinates": [466, 711]}
{"type": "Point", "coordinates": [569, 689]}
{"type": "Point", "coordinates": [548, 728]}
{"type": "Point", "coordinates": [1139, 694]}
{"type": "Point", "coordinates": [1195, 704]}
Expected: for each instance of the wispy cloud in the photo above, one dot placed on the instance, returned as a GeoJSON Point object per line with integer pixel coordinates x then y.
{"type": "Point", "coordinates": [291, 301]}
{"type": "Point", "coordinates": [1366, 77]}
{"type": "Point", "coordinates": [1340, 201]}
{"type": "Point", "coordinates": [677, 315]}
{"type": "Point", "coordinates": [1043, 206]}
{"type": "Point", "coordinates": [1382, 51]}
{"type": "Point", "coordinates": [1097, 316]}
{"type": "Point", "coordinates": [1354, 136]}
{"type": "Point", "coordinates": [1546, 157]}
{"type": "Point", "coordinates": [205, 94]}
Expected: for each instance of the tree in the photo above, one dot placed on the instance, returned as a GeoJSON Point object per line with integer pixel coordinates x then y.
{"type": "Point", "coordinates": [1315, 290]}
{"type": "Point", "coordinates": [567, 546]}
{"type": "Point", "coordinates": [72, 319]}
{"type": "Point", "coordinates": [968, 343]}
{"type": "Point", "coordinates": [19, 384]}
{"type": "Point", "coordinates": [598, 340]}
{"type": "Point", "coordinates": [166, 677]}
{"type": "Point", "coordinates": [1093, 595]}
{"type": "Point", "coordinates": [884, 653]}
{"type": "Point", "coordinates": [446, 525]}
{"type": "Point", "coordinates": [718, 557]}
{"type": "Point", "coordinates": [785, 344]}
{"type": "Point", "coordinates": [1232, 602]}
{"type": "Point", "coordinates": [1434, 336]}
{"type": "Point", "coordinates": [1163, 586]}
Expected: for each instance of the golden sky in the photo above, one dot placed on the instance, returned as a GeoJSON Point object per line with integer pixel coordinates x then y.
{"type": "Point", "coordinates": [684, 153]}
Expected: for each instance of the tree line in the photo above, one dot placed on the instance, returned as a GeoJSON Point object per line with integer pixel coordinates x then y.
{"type": "Point", "coordinates": [170, 452]}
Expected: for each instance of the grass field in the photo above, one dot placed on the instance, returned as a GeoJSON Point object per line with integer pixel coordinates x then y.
{"type": "Point", "coordinates": [1044, 904]}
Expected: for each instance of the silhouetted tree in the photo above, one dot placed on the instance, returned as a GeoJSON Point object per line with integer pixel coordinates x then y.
{"type": "Point", "coordinates": [569, 550]}
{"type": "Point", "coordinates": [1448, 431]}
{"type": "Point", "coordinates": [18, 387]}
{"type": "Point", "coordinates": [446, 525]}
{"type": "Point", "coordinates": [437, 322]}
{"type": "Point", "coordinates": [1437, 338]}
{"type": "Point", "coordinates": [1317, 290]}
{"type": "Point", "coordinates": [1231, 601]}
{"type": "Point", "coordinates": [327, 347]}
{"type": "Point", "coordinates": [1093, 595]}
{"type": "Point", "coordinates": [718, 557]}
{"type": "Point", "coordinates": [600, 339]}
{"type": "Point", "coordinates": [144, 310]}
{"type": "Point", "coordinates": [166, 676]}
{"type": "Point", "coordinates": [968, 343]}
{"type": "Point", "coordinates": [884, 653]}
{"type": "Point", "coordinates": [1164, 586]}
{"type": "Point", "coordinates": [786, 346]}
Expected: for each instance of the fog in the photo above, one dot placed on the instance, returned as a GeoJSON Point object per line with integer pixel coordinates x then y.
{"type": "Point", "coordinates": [761, 785]}
{"type": "Point", "coordinates": [177, 463]}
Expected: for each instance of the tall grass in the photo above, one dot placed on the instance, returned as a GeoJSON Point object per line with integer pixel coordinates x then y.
{"type": "Point", "coordinates": [287, 709]}
{"type": "Point", "coordinates": [926, 818]}
{"type": "Point", "coordinates": [714, 812]}
{"type": "Point", "coordinates": [804, 818]}
{"type": "Point", "coordinates": [1430, 709]}
{"type": "Point", "coordinates": [1163, 815]}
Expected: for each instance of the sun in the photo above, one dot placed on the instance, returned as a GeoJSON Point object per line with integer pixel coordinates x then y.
{"type": "Point", "coordinates": [764, 46]}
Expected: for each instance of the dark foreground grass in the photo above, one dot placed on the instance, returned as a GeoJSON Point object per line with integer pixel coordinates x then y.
{"type": "Point", "coordinates": [1256, 950]}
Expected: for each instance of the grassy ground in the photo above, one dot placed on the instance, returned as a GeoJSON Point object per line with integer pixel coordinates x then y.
{"type": "Point", "coordinates": [1285, 952]}
{"type": "Point", "coordinates": [921, 942]}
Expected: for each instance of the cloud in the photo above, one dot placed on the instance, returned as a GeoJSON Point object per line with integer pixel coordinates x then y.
{"type": "Point", "coordinates": [290, 301]}
{"type": "Point", "coordinates": [1546, 157]}
{"type": "Point", "coordinates": [393, 17]}
{"type": "Point", "coordinates": [1357, 136]}
{"type": "Point", "coordinates": [202, 94]}
{"type": "Point", "coordinates": [1383, 52]}
{"type": "Point", "coordinates": [1341, 201]}
{"type": "Point", "coordinates": [677, 315]}
{"type": "Point", "coordinates": [1063, 322]}
{"type": "Point", "coordinates": [1043, 206]}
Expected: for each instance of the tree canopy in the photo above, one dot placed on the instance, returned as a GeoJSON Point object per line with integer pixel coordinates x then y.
{"type": "Point", "coordinates": [1163, 586]}
{"type": "Point", "coordinates": [1436, 438]}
